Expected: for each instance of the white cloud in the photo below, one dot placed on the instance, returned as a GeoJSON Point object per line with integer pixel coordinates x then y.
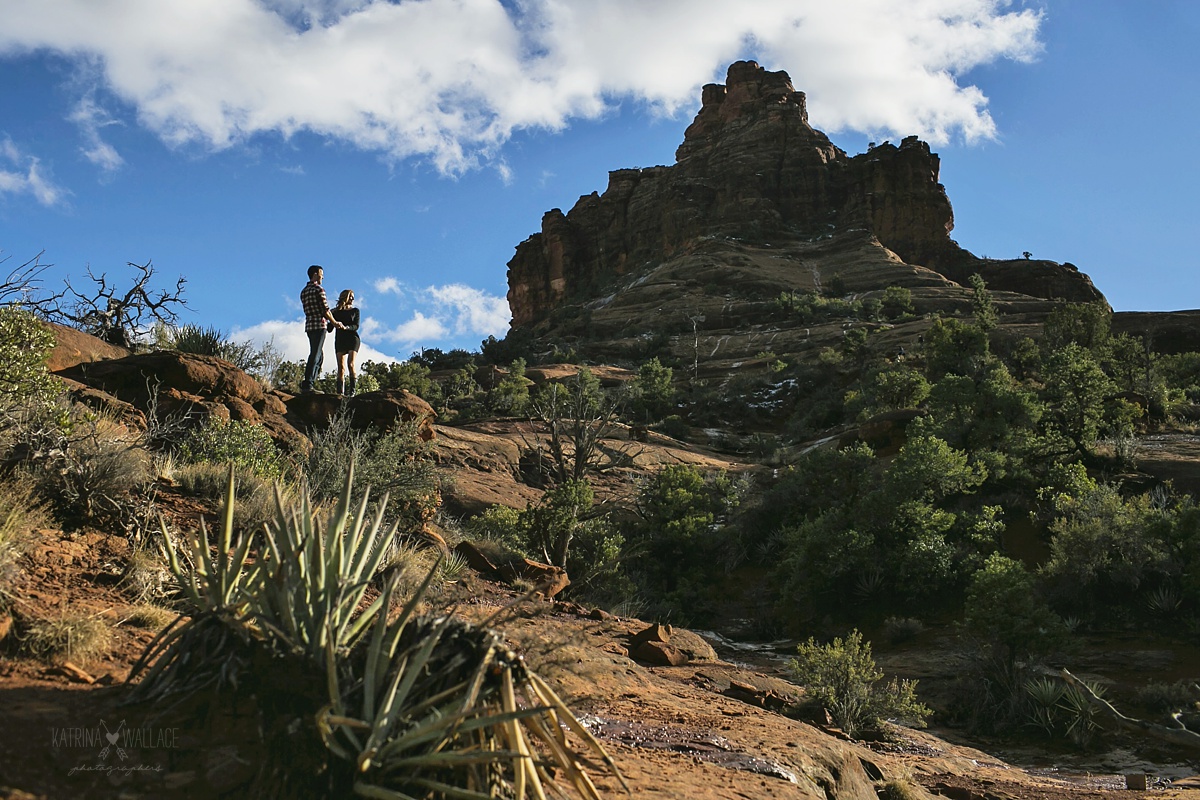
{"type": "Point", "coordinates": [22, 174]}
{"type": "Point", "coordinates": [386, 285]}
{"type": "Point", "coordinates": [91, 118]}
{"type": "Point", "coordinates": [472, 310]}
{"type": "Point", "coordinates": [450, 80]}
{"type": "Point", "coordinates": [420, 329]}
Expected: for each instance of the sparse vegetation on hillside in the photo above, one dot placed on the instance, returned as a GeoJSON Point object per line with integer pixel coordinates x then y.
{"type": "Point", "coordinates": [374, 704]}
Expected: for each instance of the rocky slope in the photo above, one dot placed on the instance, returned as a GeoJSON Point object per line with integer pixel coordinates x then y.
{"type": "Point", "coordinates": [758, 202]}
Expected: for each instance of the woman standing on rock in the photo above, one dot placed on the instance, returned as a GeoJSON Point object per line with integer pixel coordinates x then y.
{"type": "Point", "coordinates": [346, 341]}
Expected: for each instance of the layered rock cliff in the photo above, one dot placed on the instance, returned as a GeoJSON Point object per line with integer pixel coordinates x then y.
{"type": "Point", "coordinates": [752, 169]}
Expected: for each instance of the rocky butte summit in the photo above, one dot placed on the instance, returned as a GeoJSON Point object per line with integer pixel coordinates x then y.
{"type": "Point", "coordinates": [757, 202]}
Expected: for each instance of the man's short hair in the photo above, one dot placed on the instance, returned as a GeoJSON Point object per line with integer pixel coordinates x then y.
{"type": "Point", "coordinates": [313, 270]}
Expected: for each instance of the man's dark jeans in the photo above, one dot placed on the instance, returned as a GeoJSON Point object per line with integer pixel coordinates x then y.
{"type": "Point", "coordinates": [316, 358]}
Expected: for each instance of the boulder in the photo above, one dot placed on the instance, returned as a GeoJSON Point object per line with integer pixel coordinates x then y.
{"type": "Point", "coordinates": [510, 568]}
{"type": "Point", "coordinates": [74, 347]}
{"type": "Point", "coordinates": [381, 410]}
{"type": "Point", "coordinates": [134, 378]}
{"type": "Point", "coordinates": [658, 654]}
{"type": "Point", "coordinates": [184, 385]}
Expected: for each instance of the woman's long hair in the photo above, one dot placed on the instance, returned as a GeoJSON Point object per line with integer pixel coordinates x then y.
{"type": "Point", "coordinates": [345, 299]}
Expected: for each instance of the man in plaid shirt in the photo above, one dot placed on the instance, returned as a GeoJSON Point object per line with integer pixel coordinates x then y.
{"type": "Point", "coordinates": [316, 315]}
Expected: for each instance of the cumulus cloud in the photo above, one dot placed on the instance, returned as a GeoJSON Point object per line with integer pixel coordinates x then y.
{"type": "Point", "coordinates": [21, 173]}
{"type": "Point", "coordinates": [450, 80]}
{"type": "Point", "coordinates": [419, 329]}
{"type": "Point", "coordinates": [473, 311]}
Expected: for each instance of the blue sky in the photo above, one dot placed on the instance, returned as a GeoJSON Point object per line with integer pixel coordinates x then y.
{"type": "Point", "coordinates": [410, 146]}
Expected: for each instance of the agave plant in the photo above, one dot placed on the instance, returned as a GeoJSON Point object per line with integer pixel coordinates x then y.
{"type": "Point", "coordinates": [445, 707]}
{"type": "Point", "coordinates": [421, 706]}
{"type": "Point", "coordinates": [208, 645]}
{"type": "Point", "coordinates": [1044, 695]}
{"type": "Point", "coordinates": [313, 577]}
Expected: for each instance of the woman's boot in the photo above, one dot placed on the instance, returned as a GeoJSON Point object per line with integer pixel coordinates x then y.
{"type": "Point", "coordinates": [341, 386]}
{"type": "Point", "coordinates": [350, 386]}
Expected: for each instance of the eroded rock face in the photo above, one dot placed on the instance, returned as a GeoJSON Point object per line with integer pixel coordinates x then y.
{"type": "Point", "coordinates": [185, 385]}
{"type": "Point", "coordinates": [751, 168]}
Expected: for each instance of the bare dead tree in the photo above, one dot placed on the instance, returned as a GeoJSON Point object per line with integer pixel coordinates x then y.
{"type": "Point", "coordinates": [22, 285]}
{"type": "Point", "coordinates": [117, 317]}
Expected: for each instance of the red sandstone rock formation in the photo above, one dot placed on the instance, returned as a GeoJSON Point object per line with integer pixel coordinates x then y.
{"type": "Point", "coordinates": [752, 168]}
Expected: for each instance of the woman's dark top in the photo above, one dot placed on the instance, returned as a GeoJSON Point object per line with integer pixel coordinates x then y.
{"type": "Point", "coordinates": [346, 340]}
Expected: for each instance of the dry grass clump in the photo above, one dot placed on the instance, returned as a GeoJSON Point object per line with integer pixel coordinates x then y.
{"type": "Point", "coordinates": [901, 790]}
{"type": "Point", "coordinates": [21, 512]}
{"type": "Point", "coordinates": [67, 638]}
{"type": "Point", "coordinates": [150, 617]}
{"type": "Point", "coordinates": [255, 495]}
{"type": "Point", "coordinates": [146, 576]}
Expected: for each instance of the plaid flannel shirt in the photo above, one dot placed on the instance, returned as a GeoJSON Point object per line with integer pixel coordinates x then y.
{"type": "Point", "coordinates": [312, 298]}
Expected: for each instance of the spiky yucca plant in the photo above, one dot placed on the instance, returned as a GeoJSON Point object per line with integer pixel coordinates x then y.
{"type": "Point", "coordinates": [208, 645]}
{"type": "Point", "coordinates": [420, 707]}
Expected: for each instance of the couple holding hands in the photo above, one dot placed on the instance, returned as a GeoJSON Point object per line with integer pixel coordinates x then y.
{"type": "Point", "coordinates": [319, 319]}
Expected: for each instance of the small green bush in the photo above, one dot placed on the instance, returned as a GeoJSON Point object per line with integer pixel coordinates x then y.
{"type": "Point", "coordinates": [843, 676]}
{"type": "Point", "coordinates": [675, 427]}
{"type": "Point", "coordinates": [27, 390]}
{"type": "Point", "coordinates": [238, 442]}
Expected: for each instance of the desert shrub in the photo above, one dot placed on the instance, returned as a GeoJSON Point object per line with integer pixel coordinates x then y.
{"type": "Point", "coordinates": [954, 347]}
{"type": "Point", "coordinates": [902, 629]}
{"type": "Point", "coordinates": [28, 392]}
{"type": "Point", "coordinates": [238, 442]}
{"type": "Point", "coordinates": [287, 376]}
{"type": "Point", "coordinates": [563, 529]}
{"type": "Point", "coordinates": [897, 789]}
{"type": "Point", "coordinates": [255, 495]}
{"type": "Point", "coordinates": [71, 637]}
{"type": "Point", "coordinates": [843, 676]}
{"type": "Point", "coordinates": [1103, 547]}
{"type": "Point", "coordinates": [675, 427]}
{"type": "Point", "coordinates": [651, 394]}
{"type": "Point", "coordinates": [211, 341]}
{"type": "Point", "coordinates": [394, 461]}
{"type": "Point", "coordinates": [1087, 325]}
{"type": "Point", "coordinates": [896, 302]}
{"type": "Point", "coordinates": [888, 389]}
{"type": "Point", "coordinates": [1005, 611]}
{"type": "Point", "coordinates": [1076, 389]}
{"type": "Point", "coordinates": [89, 467]}
{"type": "Point", "coordinates": [503, 525]}
{"type": "Point", "coordinates": [674, 544]}
{"type": "Point", "coordinates": [145, 575]}
{"type": "Point", "coordinates": [510, 395]}
{"type": "Point", "coordinates": [1159, 697]}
